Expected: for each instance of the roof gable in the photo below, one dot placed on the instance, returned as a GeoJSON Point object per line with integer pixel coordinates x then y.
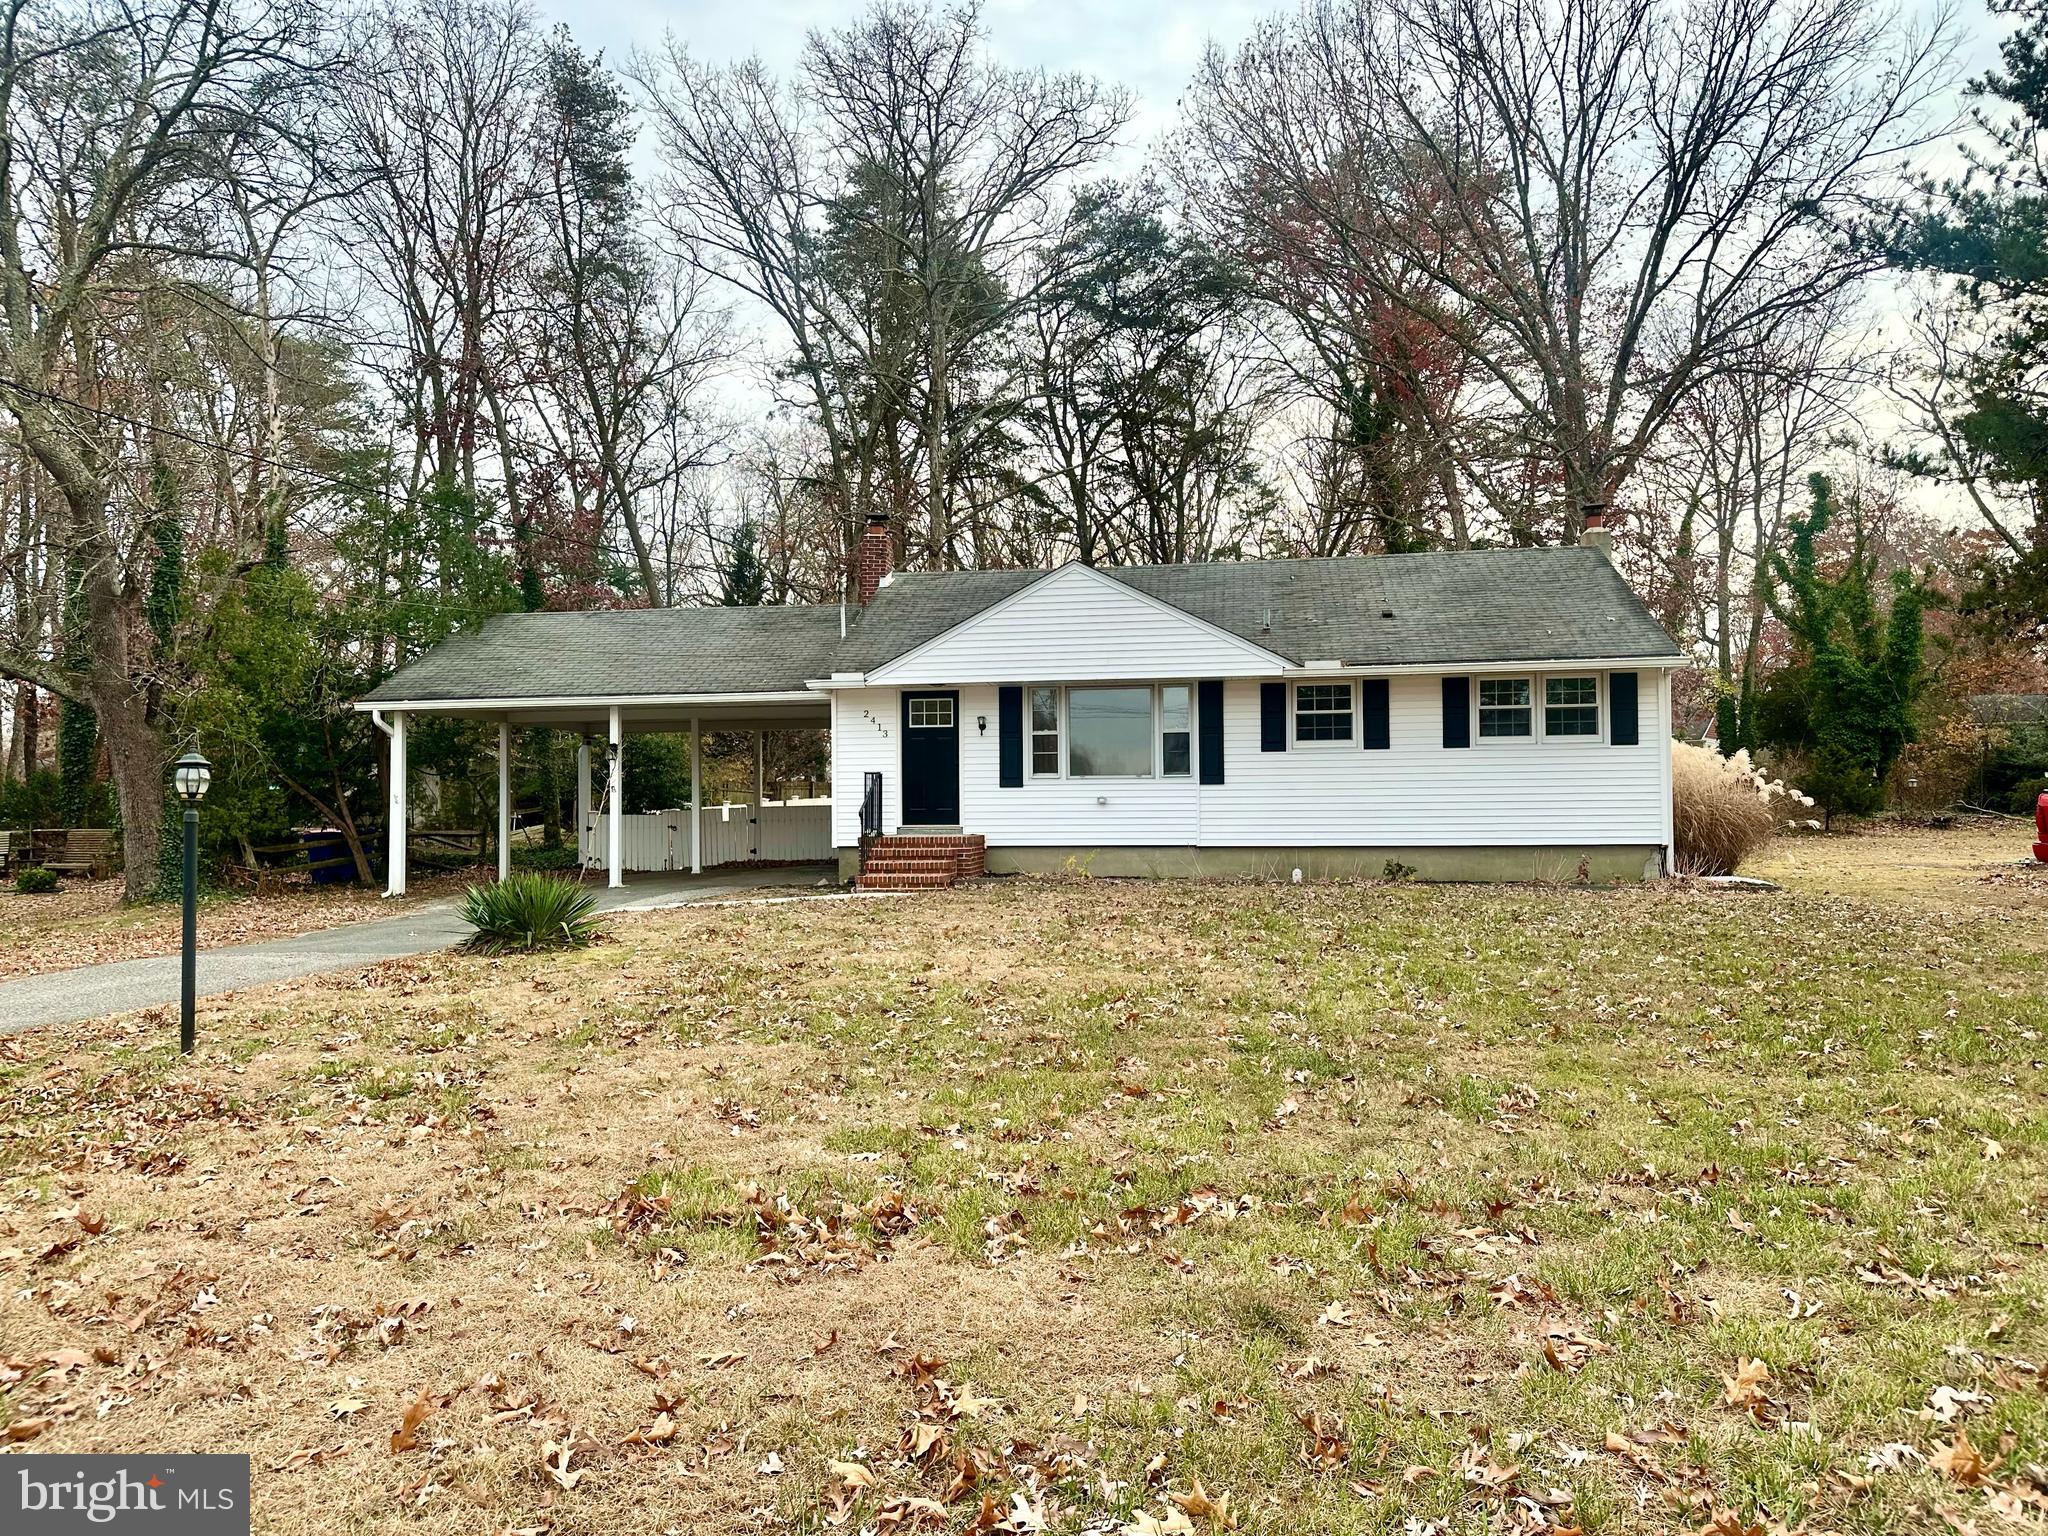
{"type": "Point", "coordinates": [1078, 622]}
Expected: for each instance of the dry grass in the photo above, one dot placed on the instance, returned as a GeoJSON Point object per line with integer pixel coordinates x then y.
{"type": "Point", "coordinates": [1722, 809]}
{"type": "Point", "coordinates": [1494, 1188]}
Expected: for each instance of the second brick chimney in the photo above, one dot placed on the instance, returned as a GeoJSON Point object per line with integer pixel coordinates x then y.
{"type": "Point", "coordinates": [872, 563]}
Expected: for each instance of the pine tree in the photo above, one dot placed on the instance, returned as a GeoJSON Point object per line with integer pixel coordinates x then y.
{"type": "Point", "coordinates": [742, 578]}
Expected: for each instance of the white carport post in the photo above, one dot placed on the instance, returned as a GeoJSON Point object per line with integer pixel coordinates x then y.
{"type": "Point", "coordinates": [696, 797]}
{"type": "Point", "coordinates": [504, 798]}
{"type": "Point", "coordinates": [759, 782]}
{"type": "Point", "coordinates": [614, 792]}
{"type": "Point", "coordinates": [583, 826]}
{"type": "Point", "coordinates": [394, 816]}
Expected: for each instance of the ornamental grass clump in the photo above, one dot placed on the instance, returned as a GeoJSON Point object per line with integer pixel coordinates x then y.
{"type": "Point", "coordinates": [1723, 809]}
{"type": "Point", "coordinates": [526, 912]}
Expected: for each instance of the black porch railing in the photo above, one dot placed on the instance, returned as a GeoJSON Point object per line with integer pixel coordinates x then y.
{"type": "Point", "coordinates": [870, 806]}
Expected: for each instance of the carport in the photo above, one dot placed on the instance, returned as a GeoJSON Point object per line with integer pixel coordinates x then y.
{"type": "Point", "coordinates": [606, 677]}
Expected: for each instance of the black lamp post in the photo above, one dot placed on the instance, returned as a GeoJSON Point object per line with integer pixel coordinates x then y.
{"type": "Point", "coordinates": [190, 776]}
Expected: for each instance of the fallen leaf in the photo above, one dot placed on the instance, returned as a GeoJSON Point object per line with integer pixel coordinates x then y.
{"type": "Point", "coordinates": [406, 1436]}
{"type": "Point", "coordinates": [1203, 1505]}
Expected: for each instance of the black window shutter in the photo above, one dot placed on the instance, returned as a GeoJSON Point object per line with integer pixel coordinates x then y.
{"type": "Point", "coordinates": [1621, 703]}
{"type": "Point", "coordinates": [1010, 738]}
{"type": "Point", "coordinates": [1209, 730]}
{"type": "Point", "coordinates": [1272, 717]}
{"type": "Point", "coordinates": [1377, 731]}
{"type": "Point", "coordinates": [1457, 711]}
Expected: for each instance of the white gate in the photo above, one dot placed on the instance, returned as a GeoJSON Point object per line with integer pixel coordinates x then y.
{"type": "Point", "coordinates": [660, 840]}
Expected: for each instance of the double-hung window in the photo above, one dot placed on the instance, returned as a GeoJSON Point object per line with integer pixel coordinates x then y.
{"type": "Point", "coordinates": [1322, 712]}
{"type": "Point", "coordinates": [1505, 710]}
{"type": "Point", "coordinates": [1045, 733]}
{"type": "Point", "coordinates": [1571, 706]}
{"type": "Point", "coordinates": [1176, 725]}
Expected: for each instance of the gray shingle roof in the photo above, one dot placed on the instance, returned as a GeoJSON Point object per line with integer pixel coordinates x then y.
{"type": "Point", "coordinates": [624, 653]}
{"type": "Point", "coordinates": [917, 606]}
{"type": "Point", "coordinates": [1551, 604]}
{"type": "Point", "coordinates": [1445, 608]}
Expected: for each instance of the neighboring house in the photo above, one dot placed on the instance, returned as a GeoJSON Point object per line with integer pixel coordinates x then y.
{"type": "Point", "coordinates": [1482, 714]}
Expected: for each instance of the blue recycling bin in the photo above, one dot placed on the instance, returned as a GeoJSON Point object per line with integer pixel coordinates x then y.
{"type": "Point", "coordinates": [323, 844]}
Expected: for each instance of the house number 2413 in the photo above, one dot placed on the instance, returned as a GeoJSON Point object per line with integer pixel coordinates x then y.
{"type": "Point", "coordinates": [872, 719]}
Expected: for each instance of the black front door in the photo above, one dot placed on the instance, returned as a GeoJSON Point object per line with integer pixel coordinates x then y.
{"type": "Point", "coordinates": [931, 759]}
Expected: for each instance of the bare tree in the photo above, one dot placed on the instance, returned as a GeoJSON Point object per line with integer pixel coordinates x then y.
{"type": "Point", "coordinates": [884, 206]}
{"type": "Point", "coordinates": [1728, 471]}
{"type": "Point", "coordinates": [443, 107]}
{"type": "Point", "coordinates": [1600, 203]}
{"type": "Point", "coordinates": [111, 124]}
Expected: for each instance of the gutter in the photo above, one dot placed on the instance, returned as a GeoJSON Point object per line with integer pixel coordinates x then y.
{"type": "Point", "coordinates": [1662, 663]}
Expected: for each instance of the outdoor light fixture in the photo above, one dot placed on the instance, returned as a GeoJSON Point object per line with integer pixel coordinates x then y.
{"type": "Point", "coordinates": [981, 724]}
{"type": "Point", "coordinates": [191, 776]}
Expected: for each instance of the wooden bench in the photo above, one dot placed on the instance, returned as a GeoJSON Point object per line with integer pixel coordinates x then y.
{"type": "Point", "coordinates": [10, 843]}
{"type": "Point", "coordinates": [87, 851]}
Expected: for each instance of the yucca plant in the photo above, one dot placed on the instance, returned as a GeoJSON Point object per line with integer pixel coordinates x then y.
{"type": "Point", "coordinates": [527, 911]}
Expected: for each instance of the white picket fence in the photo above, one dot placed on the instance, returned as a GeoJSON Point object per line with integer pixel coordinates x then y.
{"type": "Point", "coordinates": [661, 840]}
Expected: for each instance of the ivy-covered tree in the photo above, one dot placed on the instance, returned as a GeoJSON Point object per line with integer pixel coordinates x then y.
{"type": "Point", "coordinates": [1847, 702]}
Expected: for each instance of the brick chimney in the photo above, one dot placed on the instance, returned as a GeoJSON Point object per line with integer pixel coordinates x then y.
{"type": "Point", "coordinates": [871, 563]}
{"type": "Point", "coordinates": [1597, 535]}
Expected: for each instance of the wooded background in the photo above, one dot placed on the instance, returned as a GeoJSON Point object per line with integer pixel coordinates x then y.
{"type": "Point", "coordinates": [326, 332]}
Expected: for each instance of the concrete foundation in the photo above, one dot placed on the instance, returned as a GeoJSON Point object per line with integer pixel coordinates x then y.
{"type": "Point", "coordinates": [1600, 864]}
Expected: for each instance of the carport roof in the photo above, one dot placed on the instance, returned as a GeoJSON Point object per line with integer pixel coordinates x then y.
{"type": "Point", "coordinates": [622, 653]}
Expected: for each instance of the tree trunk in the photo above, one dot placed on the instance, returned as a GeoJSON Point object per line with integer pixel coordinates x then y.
{"type": "Point", "coordinates": [137, 760]}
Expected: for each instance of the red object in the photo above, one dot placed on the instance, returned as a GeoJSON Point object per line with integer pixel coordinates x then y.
{"type": "Point", "coordinates": [2041, 828]}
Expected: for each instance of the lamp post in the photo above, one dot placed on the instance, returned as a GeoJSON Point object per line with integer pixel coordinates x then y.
{"type": "Point", "coordinates": [190, 776]}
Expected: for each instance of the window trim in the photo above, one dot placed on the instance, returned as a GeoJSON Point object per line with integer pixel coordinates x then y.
{"type": "Point", "coordinates": [1539, 734]}
{"type": "Point", "coordinates": [912, 723]}
{"type": "Point", "coordinates": [1159, 730]}
{"type": "Point", "coordinates": [1594, 737]}
{"type": "Point", "coordinates": [1157, 775]}
{"type": "Point", "coordinates": [1032, 733]}
{"type": "Point", "coordinates": [1295, 740]}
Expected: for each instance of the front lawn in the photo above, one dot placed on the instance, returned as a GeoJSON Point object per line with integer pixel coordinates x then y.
{"type": "Point", "coordinates": [1100, 1205]}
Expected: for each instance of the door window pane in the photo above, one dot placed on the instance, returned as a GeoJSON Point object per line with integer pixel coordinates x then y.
{"type": "Point", "coordinates": [1110, 731]}
{"type": "Point", "coordinates": [1176, 717]}
{"type": "Point", "coordinates": [931, 714]}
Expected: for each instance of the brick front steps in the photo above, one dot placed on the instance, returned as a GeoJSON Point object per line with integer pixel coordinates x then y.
{"type": "Point", "coordinates": [920, 861]}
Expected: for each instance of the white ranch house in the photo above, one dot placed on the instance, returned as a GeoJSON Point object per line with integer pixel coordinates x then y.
{"type": "Point", "coordinates": [1480, 714]}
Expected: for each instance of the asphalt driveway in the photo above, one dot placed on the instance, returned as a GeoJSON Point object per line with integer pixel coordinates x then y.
{"type": "Point", "coordinates": [121, 986]}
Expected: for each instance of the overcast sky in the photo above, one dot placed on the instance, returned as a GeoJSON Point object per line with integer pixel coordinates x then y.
{"type": "Point", "coordinates": [1148, 46]}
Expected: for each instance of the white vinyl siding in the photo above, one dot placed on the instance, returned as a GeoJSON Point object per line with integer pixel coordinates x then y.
{"type": "Point", "coordinates": [867, 735]}
{"type": "Point", "coordinates": [1417, 794]}
{"type": "Point", "coordinates": [1420, 794]}
{"type": "Point", "coordinates": [1080, 625]}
